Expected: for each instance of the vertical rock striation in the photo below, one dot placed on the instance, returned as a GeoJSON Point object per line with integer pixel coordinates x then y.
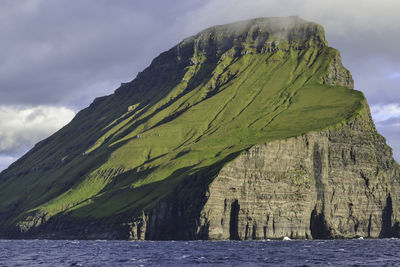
{"type": "Point", "coordinates": [338, 183]}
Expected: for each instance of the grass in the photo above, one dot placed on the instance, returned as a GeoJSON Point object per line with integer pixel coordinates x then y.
{"type": "Point", "coordinates": [179, 118]}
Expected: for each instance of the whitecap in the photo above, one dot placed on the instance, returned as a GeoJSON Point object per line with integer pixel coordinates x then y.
{"type": "Point", "coordinates": [184, 256]}
{"type": "Point", "coordinates": [286, 238]}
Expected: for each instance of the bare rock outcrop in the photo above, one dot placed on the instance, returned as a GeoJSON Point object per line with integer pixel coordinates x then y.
{"type": "Point", "coordinates": [338, 183]}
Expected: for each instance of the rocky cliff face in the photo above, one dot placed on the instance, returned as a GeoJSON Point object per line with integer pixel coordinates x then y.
{"type": "Point", "coordinates": [338, 183]}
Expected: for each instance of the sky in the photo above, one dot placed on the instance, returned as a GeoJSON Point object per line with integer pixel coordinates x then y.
{"type": "Point", "coordinates": [56, 56]}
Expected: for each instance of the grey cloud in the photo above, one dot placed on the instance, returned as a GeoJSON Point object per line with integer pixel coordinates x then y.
{"type": "Point", "coordinates": [52, 51]}
{"type": "Point", "coordinates": [58, 53]}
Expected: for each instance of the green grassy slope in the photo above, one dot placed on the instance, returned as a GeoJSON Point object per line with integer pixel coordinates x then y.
{"type": "Point", "coordinates": [198, 104]}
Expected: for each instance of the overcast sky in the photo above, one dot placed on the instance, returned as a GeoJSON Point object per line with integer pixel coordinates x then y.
{"type": "Point", "coordinates": [56, 56]}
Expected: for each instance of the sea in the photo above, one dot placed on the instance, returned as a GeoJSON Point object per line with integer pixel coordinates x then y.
{"type": "Point", "coordinates": [367, 252]}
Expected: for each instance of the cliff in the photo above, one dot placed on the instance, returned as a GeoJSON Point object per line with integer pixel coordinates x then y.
{"type": "Point", "coordinates": [337, 183]}
{"type": "Point", "coordinates": [250, 130]}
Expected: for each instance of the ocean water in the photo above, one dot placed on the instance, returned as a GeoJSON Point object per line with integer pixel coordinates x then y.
{"type": "Point", "coordinates": [384, 252]}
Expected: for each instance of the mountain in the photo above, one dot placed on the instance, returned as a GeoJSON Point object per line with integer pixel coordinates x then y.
{"type": "Point", "coordinates": [249, 130]}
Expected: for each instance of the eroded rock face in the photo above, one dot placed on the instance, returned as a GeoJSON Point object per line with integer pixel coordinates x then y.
{"type": "Point", "coordinates": [339, 183]}
{"type": "Point", "coordinates": [338, 75]}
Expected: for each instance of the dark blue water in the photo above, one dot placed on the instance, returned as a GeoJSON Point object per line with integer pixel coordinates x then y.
{"type": "Point", "coordinates": [224, 253]}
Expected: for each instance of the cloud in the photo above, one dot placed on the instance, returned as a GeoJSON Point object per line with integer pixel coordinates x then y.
{"type": "Point", "coordinates": [382, 113]}
{"type": "Point", "coordinates": [21, 128]}
{"type": "Point", "coordinates": [52, 51]}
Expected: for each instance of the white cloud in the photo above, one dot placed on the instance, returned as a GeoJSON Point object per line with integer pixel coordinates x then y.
{"type": "Point", "coordinates": [22, 127]}
{"type": "Point", "coordinates": [382, 113]}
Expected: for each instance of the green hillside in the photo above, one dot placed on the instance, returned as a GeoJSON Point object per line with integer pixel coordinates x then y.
{"type": "Point", "coordinates": [193, 109]}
